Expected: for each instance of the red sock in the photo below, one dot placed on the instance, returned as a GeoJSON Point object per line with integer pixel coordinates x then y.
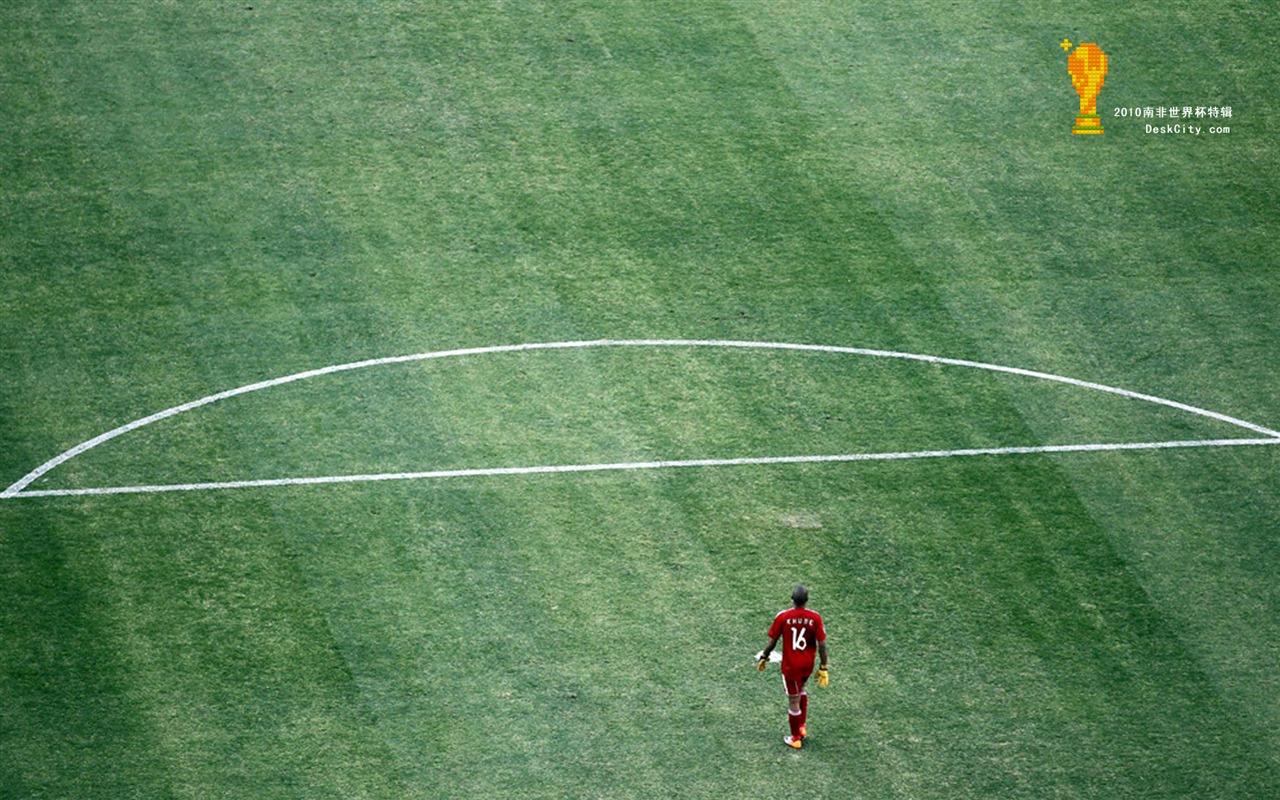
{"type": "Point", "coordinates": [794, 717]}
{"type": "Point", "coordinates": [804, 708]}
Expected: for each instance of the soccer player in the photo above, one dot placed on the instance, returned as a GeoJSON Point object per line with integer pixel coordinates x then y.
{"type": "Point", "coordinates": [802, 633]}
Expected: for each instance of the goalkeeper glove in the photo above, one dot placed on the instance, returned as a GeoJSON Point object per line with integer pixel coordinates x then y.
{"type": "Point", "coordinates": [762, 663]}
{"type": "Point", "coordinates": [823, 677]}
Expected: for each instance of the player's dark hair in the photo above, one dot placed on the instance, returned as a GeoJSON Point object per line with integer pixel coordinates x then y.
{"type": "Point", "coordinates": [800, 596]}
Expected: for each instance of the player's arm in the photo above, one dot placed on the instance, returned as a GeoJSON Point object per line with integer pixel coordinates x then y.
{"type": "Point", "coordinates": [823, 677]}
{"type": "Point", "coordinates": [764, 654]}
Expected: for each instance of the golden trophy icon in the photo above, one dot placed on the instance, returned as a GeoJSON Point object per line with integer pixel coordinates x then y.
{"type": "Point", "coordinates": [1088, 67]}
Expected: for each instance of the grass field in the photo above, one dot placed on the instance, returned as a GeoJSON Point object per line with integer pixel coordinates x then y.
{"type": "Point", "coordinates": [201, 196]}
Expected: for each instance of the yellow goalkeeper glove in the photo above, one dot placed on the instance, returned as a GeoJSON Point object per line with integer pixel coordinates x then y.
{"type": "Point", "coordinates": [823, 677]}
{"type": "Point", "coordinates": [762, 663]}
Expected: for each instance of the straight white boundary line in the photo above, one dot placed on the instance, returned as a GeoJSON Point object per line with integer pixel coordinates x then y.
{"type": "Point", "coordinates": [29, 478]}
{"type": "Point", "coordinates": [639, 465]}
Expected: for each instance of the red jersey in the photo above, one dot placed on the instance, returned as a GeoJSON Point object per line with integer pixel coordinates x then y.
{"type": "Point", "coordinates": [800, 630]}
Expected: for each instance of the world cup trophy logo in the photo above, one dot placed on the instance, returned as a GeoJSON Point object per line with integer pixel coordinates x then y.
{"type": "Point", "coordinates": [1088, 67]}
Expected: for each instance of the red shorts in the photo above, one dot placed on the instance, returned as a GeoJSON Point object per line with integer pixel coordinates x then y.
{"type": "Point", "coordinates": [795, 683]}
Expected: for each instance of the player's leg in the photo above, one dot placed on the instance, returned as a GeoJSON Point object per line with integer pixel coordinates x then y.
{"type": "Point", "coordinates": [802, 703]}
{"type": "Point", "coordinates": [793, 688]}
{"type": "Point", "coordinates": [794, 718]}
{"type": "Point", "coordinates": [804, 713]}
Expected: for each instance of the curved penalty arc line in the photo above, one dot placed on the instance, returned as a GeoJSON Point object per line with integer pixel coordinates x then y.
{"type": "Point", "coordinates": [19, 486]}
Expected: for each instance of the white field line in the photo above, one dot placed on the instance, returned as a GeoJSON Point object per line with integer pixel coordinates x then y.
{"type": "Point", "coordinates": [39, 471]}
{"type": "Point", "coordinates": [639, 465]}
